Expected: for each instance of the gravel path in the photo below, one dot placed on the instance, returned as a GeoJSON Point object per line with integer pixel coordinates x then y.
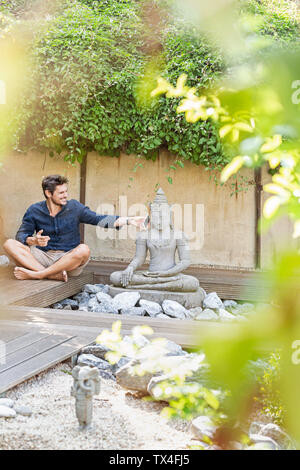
{"type": "Point", "coordinates": [120, 419]}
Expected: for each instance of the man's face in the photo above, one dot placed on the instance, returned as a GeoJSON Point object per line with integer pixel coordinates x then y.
{"type": "Point", "coordinates": [60, 195]}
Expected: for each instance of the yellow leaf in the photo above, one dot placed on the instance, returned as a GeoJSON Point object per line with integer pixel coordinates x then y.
{"type": "Point", "coordinates": [296, 232]}
{"type": "Point", "coordinates": [162, 87]}
{"type": "Point", "coordinates": [271, 144]}
{"type": "Point", "coordinates": [271, 206]}
{"type": "Point", "coordinates": [235, 135]}
{"type": "Point", "coordinates": [275, 189]}
{"type": "Point", "coordinates": [231, 168]}
{"type": "Point", "coordinates": [225, 130]}
{"type": "Point", "coordinates": [243, 126]}
{"type": "Point", "coordinates": [273, 160]}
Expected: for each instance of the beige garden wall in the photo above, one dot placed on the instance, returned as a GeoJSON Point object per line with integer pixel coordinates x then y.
{"type": "Point", "coordinates": [279, 235]}
{"type": "Point", "coordinates": [224, 225]}
{"type": "Point", "coordinates": [220, 227]}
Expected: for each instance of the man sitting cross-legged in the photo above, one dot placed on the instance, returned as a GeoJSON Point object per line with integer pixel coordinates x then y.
{"type": "Point", "coordinates": [55, 251]}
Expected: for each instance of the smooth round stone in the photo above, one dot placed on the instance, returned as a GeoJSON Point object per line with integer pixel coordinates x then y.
{"type": "Point", "coordinates": [7, 412]}
{"type": "Point", "coordinates": [7, 402]}
{"type": "Point", "coordinates": [23, 410]}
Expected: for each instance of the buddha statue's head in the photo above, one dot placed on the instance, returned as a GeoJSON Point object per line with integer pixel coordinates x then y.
{"type": "Point", "coordinates": [160, 213]}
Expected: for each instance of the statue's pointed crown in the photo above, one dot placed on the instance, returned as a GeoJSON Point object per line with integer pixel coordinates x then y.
{"type": "Point", "coordinates": [160, 197]}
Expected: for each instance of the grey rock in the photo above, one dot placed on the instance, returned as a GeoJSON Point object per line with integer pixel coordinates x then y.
{"type": "Point", "coordinates": [102, 296]}
{"type": "Point", "coordinates": [213, 301]}
{"type": "Point", "coordinates": [93, 361]}
{"type": "Point", "coordinates": [104, 374]}
{"type": "Point", "coordinates": [225, 316]}
{"type": "Point", "coordinates": [93, 303]}
{"type": "Point", "coordinates": [187, 299]}
{"type": "Point", "coordinates": [73, 303]}
{"type": "Point", "coordinates": [122, 362]}
{"type": "Point", "coordinates": [6, 402]}
{"type": "Point", "coordinates": [152, 308]}
{"type": "Point", "coordinates": [57, 305]}
{"type": "Point", "coordinates": [97, 350]}
{"type": "Point", "coordinates": [105, 307]}
{"type": "Point", "coordinates": [83, 307]}
{"type": "Point", "coordinates": [202, 427]}
{"type": "Point", "coordinates": [67, 307]}
{"type": "Point", "coordinates": [277, 434]}
{"type": "Point", "coordinates": [207, 315]}
{"type": "Point", "coordinates": [264, 441]}
{"type": "Point", "coordinates": [229, 304]}
{"type": "Point", "coordinates": [174, 309]}
{"type": "Point", "coordinates": [4, 261]}
{"type": "Point", "coordinates": [82, 297]}
{"type": "Point", "coordinates": [163, 315]}
{"type": "Point", "coordinates": [174, 349]}
{"type": "Point", "coordinates": [94, 288]}
{"type": "Point", "coordinates": [133, 382]}
{"type": "Point", "coordinates": [7, 412]}
{"type": "Point", "coordinates": [196, 310]}
{"type": "Point", "coordinates": [23, 410]}
{"type": "Point", "coordinates": [139, 340]}
{"type": "Point", "coordinates": [156, 393]}
{"type": "Point", "coordinates": [126, 300]}
{"type": "Point", "coordinates": [242, 309]}
{"type": "Point", "coordinates": [134, 311]}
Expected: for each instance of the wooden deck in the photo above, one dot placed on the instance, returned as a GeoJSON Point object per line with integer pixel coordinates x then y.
{"type": "Point", "coordinates": [35, 339]}
{"type": "Point", "coordinates": [38, 293]}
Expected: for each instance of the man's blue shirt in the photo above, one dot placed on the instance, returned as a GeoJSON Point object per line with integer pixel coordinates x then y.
{"type": "Point", "coordinates": [63, 229]}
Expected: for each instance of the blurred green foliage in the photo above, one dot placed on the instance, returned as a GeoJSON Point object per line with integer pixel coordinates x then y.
{"type": "Point", "coordinates": [86, 88]}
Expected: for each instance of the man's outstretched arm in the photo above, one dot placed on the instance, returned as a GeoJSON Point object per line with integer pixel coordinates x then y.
{"type": "Point", "coordinates": [108, 221]}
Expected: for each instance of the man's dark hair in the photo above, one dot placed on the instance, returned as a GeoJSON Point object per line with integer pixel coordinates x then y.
{"type": "Point", "coordinates": [50, 182]}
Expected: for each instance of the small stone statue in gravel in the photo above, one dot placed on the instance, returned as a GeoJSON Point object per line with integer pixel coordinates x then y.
{"type": "Point", "coordinates": [86, 384]}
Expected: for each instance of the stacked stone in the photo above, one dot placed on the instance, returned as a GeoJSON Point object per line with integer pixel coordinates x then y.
{"type": "Point", "coordinates": [96, 298]}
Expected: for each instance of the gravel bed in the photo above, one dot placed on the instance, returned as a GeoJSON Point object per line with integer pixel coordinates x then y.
{"type": "Point", "coordinates": [121, 420]}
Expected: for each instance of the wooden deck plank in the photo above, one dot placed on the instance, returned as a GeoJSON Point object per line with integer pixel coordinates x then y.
{"type": "Point", "coordinates": [40, 293]}
{"type": "Point", "coordinates": [56, 345]}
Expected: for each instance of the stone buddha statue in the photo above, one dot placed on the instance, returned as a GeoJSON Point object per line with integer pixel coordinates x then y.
{"type": "Point", "coordinates": [164, 273]}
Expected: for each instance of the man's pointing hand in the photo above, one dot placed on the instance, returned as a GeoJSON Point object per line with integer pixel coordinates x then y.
{"type": "Point", "coordinates": [40, 239]}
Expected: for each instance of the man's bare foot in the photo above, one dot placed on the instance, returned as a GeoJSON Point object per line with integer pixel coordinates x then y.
{"type": "Point", "coordinates": [23, 273]}
{"type": "Point", "coordinates": [63, 276]}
